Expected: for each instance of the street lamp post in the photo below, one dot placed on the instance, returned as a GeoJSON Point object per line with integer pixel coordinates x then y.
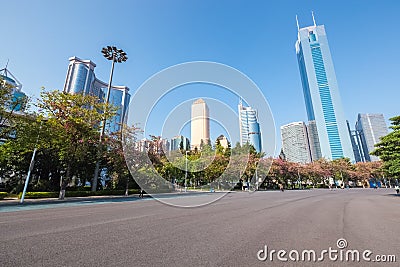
{"type": "Point", "coordinates": [186, 167]}
{"type": "Point", "coordinates": [116, 55]}
{"type": "Point", "coordinates": [31, 165]}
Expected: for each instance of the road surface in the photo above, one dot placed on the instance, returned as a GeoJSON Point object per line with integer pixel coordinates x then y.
{"type": "Point", "coordinates": [233, 231]}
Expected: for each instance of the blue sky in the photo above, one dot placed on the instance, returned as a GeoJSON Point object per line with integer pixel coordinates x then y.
{"type": "Point", "coordinates": [255, 37]}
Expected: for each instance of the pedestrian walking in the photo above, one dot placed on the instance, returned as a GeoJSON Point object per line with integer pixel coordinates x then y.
{"type": "Point", "coordinates": [141, 193]}
{"type": "Point", "coordinates": [397, 188]}
{"type": "Point", "coordinates": [281, 187]}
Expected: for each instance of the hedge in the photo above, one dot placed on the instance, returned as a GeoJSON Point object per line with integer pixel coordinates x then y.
{"type": "Point", "coordinates": [3, 195]}
{"type": "Point", "coordinates": [86, 193]}
{"type": "Point", "coordinates": [76, 193]}
{"type": "Point", "coordinates": [40, 195]}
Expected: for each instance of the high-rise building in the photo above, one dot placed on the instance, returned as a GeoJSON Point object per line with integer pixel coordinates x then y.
{"type": "Point", "coordinates": [321, 92]}
{"type": "Point", "coordinates": [354, 137]}
{"type": "Point", "coordinates": [249, 127]}
{"type": "Point", "coordinates": [313, 140]}
{"type": "Point", "coordinates": [370, 128]}
{"type": "Point", "coordinates": [200, 124]}
{"type": "Point", "coordinates": [295, 143]}
{"type": "Point", "coordinates": [82, 79]}
{"type": "Point", "coordinates": [16, 104]}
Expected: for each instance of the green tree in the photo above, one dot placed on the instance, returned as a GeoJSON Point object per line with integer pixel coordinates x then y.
{"type": "Point", "coordinates": [119, 155]}
{"type": "Point", "coordinates": [219, 149]}
{"type": "Point", "coordinates": [388, 149]}
{"type": "Point", "coordinates": [75, 121]}
{"type": "Point", "coordinates": [342, 169]}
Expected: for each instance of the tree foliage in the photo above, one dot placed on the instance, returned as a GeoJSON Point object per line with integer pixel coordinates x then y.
{"type": "Point", "coordinates": [388, 149]}
{"type": "Point", "coordinates": [65, 132]}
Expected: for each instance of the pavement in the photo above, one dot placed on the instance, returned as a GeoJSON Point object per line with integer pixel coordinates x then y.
{"type": "Point", "coordinates": [235, 230]}
{"type": "Point", "coordinates": [28, 201]}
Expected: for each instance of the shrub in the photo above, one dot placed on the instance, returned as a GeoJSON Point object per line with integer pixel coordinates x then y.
{"type": "Point", "coordinates": [35, 195]}
{"type": "Point", "coordinates": [100, 193]}
{"type": "Point", "coordinates": [3, 195]}
{"type": "Point", "coordinates": [78, 193]}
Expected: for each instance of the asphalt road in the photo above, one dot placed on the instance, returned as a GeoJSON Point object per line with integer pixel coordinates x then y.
{"type": "Point", "coordinates": [228, 232]}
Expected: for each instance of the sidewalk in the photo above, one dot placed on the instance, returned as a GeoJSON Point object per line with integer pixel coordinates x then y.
{"type": "Point", "coordinates": [16, 201]}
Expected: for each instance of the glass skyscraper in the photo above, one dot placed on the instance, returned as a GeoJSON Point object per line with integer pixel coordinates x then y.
{"type": "Point", "coordinates": [370, 128]}
{"type": "Point", "coordinates": [321, 93]}
{"type": "Point", "coordinates": [17, 96]}
{"type": "Point", "coordinates": [82, 79]}
{"type": "Point", "coordinates": [249, 127]}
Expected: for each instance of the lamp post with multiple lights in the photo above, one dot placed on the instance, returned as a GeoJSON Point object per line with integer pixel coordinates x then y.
{"type": "Point", "coordinates": [116, 55]}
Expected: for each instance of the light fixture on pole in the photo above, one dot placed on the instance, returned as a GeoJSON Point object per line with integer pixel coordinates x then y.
{"type": "Point", "coordinates": [116, 55]}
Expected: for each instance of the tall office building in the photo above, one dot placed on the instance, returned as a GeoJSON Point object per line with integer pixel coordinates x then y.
{"type": "Point", "coordinates": [295, 143]}
{"type": "Point", "coordinates": [370, 128]}
{"type": "Point", "coordinates": [82, 79]}
{"type": "Point", "coordinates": [249, 127]}
{"type": "Point", "coordinates": [321, 92]}
{"type": "Point", "coordinates": [354, 137]}
{"type": "Point", "coordinates": [313, 140]}
{"type": "Point", "coordinates": [200, 124]}
{"type": "Point", "coordinates": [17, 96]}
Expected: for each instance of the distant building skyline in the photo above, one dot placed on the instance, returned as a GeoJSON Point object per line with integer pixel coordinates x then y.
{"type": "Point", "coordinates": [249, 127]}
{"type": "Point", "coordinates": [199, 124]}
{"type": "Point", "coordinates": [81, 78]}
{"type": "Point", "coordinates": [321, 92]}
{"type": "Point", "coordinates": [179, 142]}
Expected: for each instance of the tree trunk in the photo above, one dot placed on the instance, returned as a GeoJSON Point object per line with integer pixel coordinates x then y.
{"type": "Point", "coordinates": [64, 183]}
{"type": "Point", "coordinates": [127, 186]}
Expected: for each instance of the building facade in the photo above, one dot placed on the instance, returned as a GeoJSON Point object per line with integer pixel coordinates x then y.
{"type": "Point", "coordinates": [249, 127]}
{"type": "Point", "coordinates": [369, 128]}
{"type": "Point", "coordinates": [81, 79]}
{"type": "Point", "coordinates": [295, 145]}
{"type": "Point", "coordinates": [321, 92]}
{"type": "Point", "coordinates": [200, 124]}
